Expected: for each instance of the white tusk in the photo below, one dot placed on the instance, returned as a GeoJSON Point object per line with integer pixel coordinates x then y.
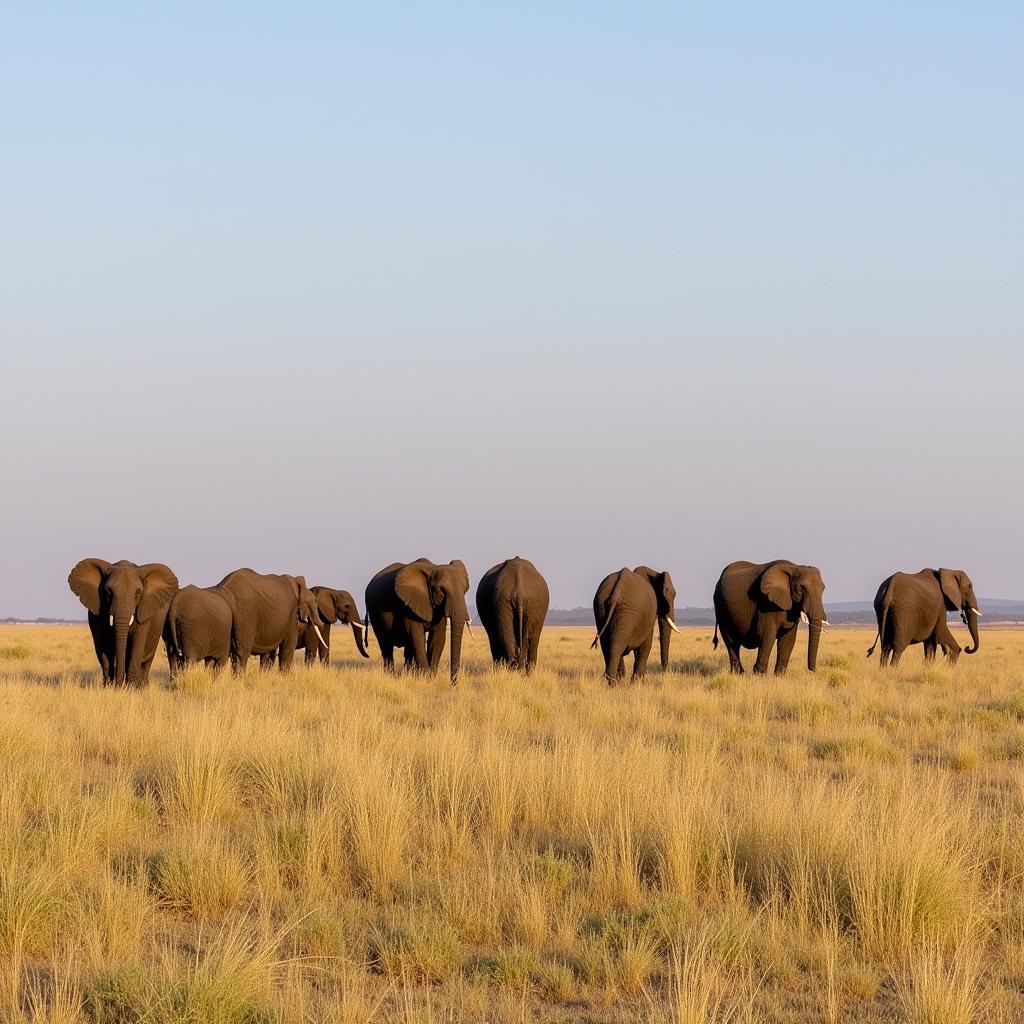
{"type": "Point", "coordinates": [803, 618]}
{"type": "Point", "coordinates": [359, 625]}
{"type": "Point", "coordinates": [675, 628]}
{"type": "Point", "coordinates": [320, 635]}
{"type": "Point", "coordinates": [132, 619]}
{"type": "Point", "coordinates": [111, 619]}
{"type": "Point", "coordinates": [469, 627]}
{"type": "Point", "coordinates": [976, 612]}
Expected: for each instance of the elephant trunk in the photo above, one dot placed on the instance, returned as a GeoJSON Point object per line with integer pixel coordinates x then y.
{"type": "Point", "coordinates": [972, 625]}
{"type": "Point", "coordinates": [359, 632]}
{"type": "Point", "coordinates": [665, 640]}
{"type": "Point", "coordinates": [121, 624]}
{"type": "Point", "coordinates": [457, 627]}
{"type": "Point", "coordinates": [813, 639]}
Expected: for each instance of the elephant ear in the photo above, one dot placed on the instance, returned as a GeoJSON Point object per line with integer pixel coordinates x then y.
{"type": "Point", "coordinates": [461, 566]}
{"type": "Point", "coordinates": [325, 604]}
{"type": "Point", "coordinates": [159, 585]}
{"type": "Point", "coordinates": [411, 586]}
{"type": "Point", "coordinates": [950, 583]}
{"type": "Point", "coordinates": [85, 579]}
{"type": "Point", "coordinates": [776, 585]}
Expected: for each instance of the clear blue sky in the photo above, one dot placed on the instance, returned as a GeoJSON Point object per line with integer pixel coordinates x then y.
{"type": "Point", "coordinates": [317, 287]}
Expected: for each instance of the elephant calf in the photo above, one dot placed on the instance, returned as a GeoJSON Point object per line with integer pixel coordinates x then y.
{"type": "Point", "coordinates": [199, 626]}
{"type": "Point", "coordinates": [625, 608]}
{"type": "Point", "coordinates": [334, 606]}
{"type": "Point", "coordinates": [911, 609]}
{"type": "Point", "coordinates": [512, 602]}
{"type": "Point", "coordinates": [759, 605]}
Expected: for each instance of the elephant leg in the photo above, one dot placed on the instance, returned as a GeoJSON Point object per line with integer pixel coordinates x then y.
{"type": "Point", "coordinates": [614, 664]}
{"type": "Point", "coordinates": [930, 647]}
{"type": "Point", "coordinates": [507, 636]}
{"type": "Point", "coordinates": [416, 648]}
{"type": "Point", "coordinates": [285, 656]}
{"type": "Point", "coordinates": [732, 647]}
{"type": "Point", "coordinates": [898, 648]}
{"type": "Point", "coordinates": [640, 656]}
{"type": "Point", "coordinates": [324, 653]}
{"type": "Point", "coordinates": [950, 647]}
{"type": "Point", "coordinates": [435, 644]}
{"type": "Point", "coordinates": [387, 653]}
{"type": "Point", "coordinates": [764, 653]}
{"type": "Point", "coordinates": [782, 654]}
{"type": "Point", "coordinates": [311, 651]}
{"type": "Point", "coordinates": [267, 661]}
{"type": "Point", "coordinates": [533, 647]}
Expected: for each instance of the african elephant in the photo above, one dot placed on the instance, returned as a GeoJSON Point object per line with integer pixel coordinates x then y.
{"type": "Point", "coordinates": [334, 606]}
{"type": "Point", "coordinates": [268, 611]}
{"type": "Point", "coordinates": [409, 605]}
{"type": "Point", "coordinates": [127, 606]}
{"type": "Point", "coordinates": [911, 609]}
{"type": "Point", "coordinates": [625, 608]}
{"type": "Point", "coordinates": [757, 605]}
{"type": "Point", "coordinates": [512, 602]}
{"type": "Point", "coordinates": [199, 626]}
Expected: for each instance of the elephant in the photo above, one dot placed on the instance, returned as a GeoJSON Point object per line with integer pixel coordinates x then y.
{"type": "Point", "coordinates": [199, 627]}
{"type": "Point", "coordinates": [911, 609]}
{"type": "Point", "coordinates": [409, 604]}
{"type": "Point", "coordinates": [334, 606]}
{"type": "Point", "coordinates": [127, 606]}
{"type": "Point", "coordinates": [268, 611]}
{"type": "Point", "coordinates": [626, 605]}
{"type": "Point", "coordinates": [757, 605]}
{"type": "Point", "coordinates": [512, 602]}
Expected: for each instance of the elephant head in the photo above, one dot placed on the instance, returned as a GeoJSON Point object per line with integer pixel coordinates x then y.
{"type": "Point", "coordinates": [958, 593]}
{"type": "Point", "coordinates": [665, 593]}
{"type": "Point", "coordinates": [307, 610]}
{"type": "Point", "coordinates": [338, 606]}
{"type": "Point", "coordinates": [122, 594]}
{"type": "Point", "coordinates": [798, 588]}
{"type": "Point", "coordinates": [435, 593]}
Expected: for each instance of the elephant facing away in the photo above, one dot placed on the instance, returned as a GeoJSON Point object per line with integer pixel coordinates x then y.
{"type": "Point", "coordinates": [512, 602]}
{"type": "Point", "coordinates": [199, 627]}
{"type": "Point", "coordinates": [626, 605]}
{"type": "Point", "coordinates": [911, 609]}
{"type": "Point", "coordinates": [409, 605]}
{"type": "Point", "coordinates": [269, 610]}
{"type": "Point", "coordinates": [127, 605]}
{"type": "Point", "coordinates": [334, 606]}
{"type": "Point", "coordinates": [759, 605]}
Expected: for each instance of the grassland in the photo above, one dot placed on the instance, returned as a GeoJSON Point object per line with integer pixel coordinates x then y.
{"type": "Point", "coordinates": [341, 846]}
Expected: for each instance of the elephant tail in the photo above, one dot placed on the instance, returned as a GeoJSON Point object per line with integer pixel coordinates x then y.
{"type": "Point", "coordinates": [714, 639]}
{"type": "Point", "coordinates": [520, 639]}
{"type": "Point", "coordinates": [881, 626]}
{"type": "Point", "coordinates": [613, 601]}
{"type": "Point", "coordinates": [179, 648]}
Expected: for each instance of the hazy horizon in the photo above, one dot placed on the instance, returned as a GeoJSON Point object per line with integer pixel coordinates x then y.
{"type": "Point", "coordinates": [318, 290]}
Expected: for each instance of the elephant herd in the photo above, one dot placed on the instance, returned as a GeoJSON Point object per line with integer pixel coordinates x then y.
{"type": "Point", "coordinates": [409, 605]}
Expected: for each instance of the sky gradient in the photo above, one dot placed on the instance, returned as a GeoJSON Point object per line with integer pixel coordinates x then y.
{"type": "Point", "coordinates": [317, 288]}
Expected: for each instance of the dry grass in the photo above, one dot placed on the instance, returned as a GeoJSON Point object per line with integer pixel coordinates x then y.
{"type": "Point", "coordinates": [338, 845]}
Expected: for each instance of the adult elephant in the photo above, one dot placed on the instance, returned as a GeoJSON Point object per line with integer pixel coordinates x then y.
{"type": "Point", "coordinates": [757, 606]}
{"type": "Point", "coordinates": [268, 612]}
{"type": "Point", "coordinates": [199, 627]}
{"type": "Point", "coordinates": [911, 609]}
{"type": "Point", "coordinates": [334, 606]}
{"type": "Point", "coordinates": [127, 605]}
{"type": "Point", "coordinates": [512, 602]}
{"type": "Point", "coordinates": [626, 605]}
{"type": "Point", "coordinates": [409, 605]}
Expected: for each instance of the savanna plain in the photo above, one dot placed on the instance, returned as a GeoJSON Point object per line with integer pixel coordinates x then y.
{"type": "Point", "coordinates": [339, 845]}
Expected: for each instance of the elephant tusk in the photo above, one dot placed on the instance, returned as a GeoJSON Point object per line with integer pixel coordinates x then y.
{"type": "Point", "coordinates": [976, 612]}
{"type": "Point", "coordinates": [675, 628]}
{"type": "Point", "coordinates": [359, 625]}
{"type": "Point", "coordinates": [469, 626]}
{"type": "Point", "coordinates": [320, 635]}
{"type": "Point", "coordinates": [131, 621]}
{"type": "Point", "coordinates": [111, 619]}
{"type": "Point", "coordinates": [803, 618]}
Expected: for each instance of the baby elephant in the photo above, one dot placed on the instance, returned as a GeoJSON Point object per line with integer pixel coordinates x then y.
{"type": "Point", "coordinates": [625, 608]}
{"type": "Point", "coordinates": [199, 627]}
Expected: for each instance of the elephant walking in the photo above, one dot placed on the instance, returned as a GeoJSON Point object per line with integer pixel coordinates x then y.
{"type": "Point", "coordinates": [127, 605]}
{"type": "Point", "coordinates": [409, 605]}
{"type": "Point", "coordinates": [911, 609]}
{"type": "Point", "coordinates": [626, 605]}
{"type": "Point", "coordinates": [268, 612]}
{"type": "Point", "coordinates": [199, 627]}
{"type": "Point", "coordinates": [512, 602]}
{"type": "Point", "coordinates": [334, 606]}
{"type": "Point", "coordinates": [757, 606]}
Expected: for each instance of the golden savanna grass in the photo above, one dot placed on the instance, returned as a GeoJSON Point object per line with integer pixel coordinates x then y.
{"type": "Point", "coordinates": [337, 845]}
